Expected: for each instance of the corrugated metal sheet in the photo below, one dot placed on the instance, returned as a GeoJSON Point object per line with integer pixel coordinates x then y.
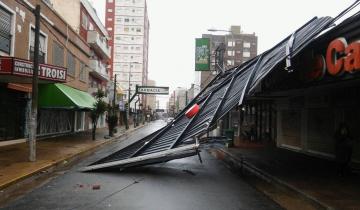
{"type": "Point", "coordinates": [225, 92]}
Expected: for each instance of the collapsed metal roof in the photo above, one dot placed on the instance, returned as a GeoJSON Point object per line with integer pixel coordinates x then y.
{"type": "Point", "coordinates": [224, 92]}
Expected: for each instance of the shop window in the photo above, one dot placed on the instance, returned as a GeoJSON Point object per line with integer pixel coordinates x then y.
{"type": "Point", "coordinates": [54, 122]}
{"type": "Point", "coordinates": [79, 121]}
{"type": "Point", "coordinates": [71, 64]}
{"type": "Point", "coordinates": [42, 46]}
{"type": "Point", "coordinates": [58, 54]}
{"type": "Point", "coordinates": [5, 30]}
{"type": "Point", "coordinates": [12, 116]}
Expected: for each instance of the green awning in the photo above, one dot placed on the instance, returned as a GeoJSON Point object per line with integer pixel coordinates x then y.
{"type": "Point", "coordinates": [64, 97]}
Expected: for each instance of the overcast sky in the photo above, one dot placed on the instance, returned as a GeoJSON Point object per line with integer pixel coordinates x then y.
{"type": "Point", "coordinates": [174, 25]}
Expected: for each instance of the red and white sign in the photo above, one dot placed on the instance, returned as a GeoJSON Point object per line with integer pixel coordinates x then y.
{"type": "Point", "coordinates": [341, 57]}
{"type": "Point", "coordinates": [20, 67]}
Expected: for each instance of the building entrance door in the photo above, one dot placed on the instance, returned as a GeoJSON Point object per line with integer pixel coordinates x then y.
{"type": "Point", "coordinates": [12, 114]}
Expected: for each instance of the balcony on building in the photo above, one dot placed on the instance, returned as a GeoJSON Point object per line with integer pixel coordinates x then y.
{"type": "Point", "coordinates": [98, 70]}
{"type": "Point", "coordinates": [99, 44]}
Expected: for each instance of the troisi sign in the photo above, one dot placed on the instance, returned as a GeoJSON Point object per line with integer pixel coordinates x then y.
{"type": "Point", "coordinates": [340, 57]}
{"type": "Point", "coordinates": [20, 67]}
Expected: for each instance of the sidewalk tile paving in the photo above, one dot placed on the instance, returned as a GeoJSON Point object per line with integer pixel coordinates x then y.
{"type": "Point", "coordinates": [309, 175]}
{"type": "Point", "coordinates": [14, 164]}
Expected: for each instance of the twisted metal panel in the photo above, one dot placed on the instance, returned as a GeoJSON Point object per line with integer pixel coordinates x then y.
{"type": "Point", "coordinates": [225, 92]}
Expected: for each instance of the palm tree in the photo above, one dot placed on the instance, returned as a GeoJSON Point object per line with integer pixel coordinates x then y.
{"type": "Point", "coordinates": [98, 110]}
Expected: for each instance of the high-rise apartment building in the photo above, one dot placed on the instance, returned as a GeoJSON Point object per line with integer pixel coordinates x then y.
{"type": "Point", "coordinates": [239, 48]}
{"type": "Point", "coordinates": [82, 17]}
{"type": "Point", "coordinates": [128, 26]}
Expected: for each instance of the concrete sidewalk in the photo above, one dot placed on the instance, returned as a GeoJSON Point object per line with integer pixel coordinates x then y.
{"type": "Point", "coordinates": [313, 179]}
{"type": "Point", "coordinates": [14, 164]}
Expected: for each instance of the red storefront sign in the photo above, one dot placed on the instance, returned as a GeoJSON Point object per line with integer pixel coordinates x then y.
{"type": "Point", "coordinates": [21, 67]}
{"type": "Point", "coordinates": [340, 58]}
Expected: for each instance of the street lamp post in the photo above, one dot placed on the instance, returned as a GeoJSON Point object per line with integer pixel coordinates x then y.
{"type": "Point", "coordinates": [232, 37]}
{"type": "Point", "coordinates": [233, 46]}
{"type": "Point", "coordinates": [129, 95]}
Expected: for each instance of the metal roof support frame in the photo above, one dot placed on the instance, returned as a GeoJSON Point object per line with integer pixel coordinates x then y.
{"type": "Point", "coordinates": [223, 93]}
{"type": "Point", "coordinates": [250, 79]}
{"type": "Point", "coordinates": [186, 127]}
{"type": "Point", "coordinates": [163, 156]}
{"type": "Point", "coordinates": [222, 102]}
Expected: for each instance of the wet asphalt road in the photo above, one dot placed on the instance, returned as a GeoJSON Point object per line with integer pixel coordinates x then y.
{"type": "Point", "coordinates": [182, 184]}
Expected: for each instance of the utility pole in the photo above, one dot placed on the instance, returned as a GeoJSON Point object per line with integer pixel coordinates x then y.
{"type": "Point", "coordinates": [219, 58]}
{"type": "Point", "coordinates": [135, 115]}
{"type": "Point", "coordinates": [128, 106]}
{"type": "Point", "coordinates": [34, 96]}
{"type": "Point", "coordinates": [174, 103]}
{"type": "Point", "coordinates": [114, 100]}
{"type": "Point", "coordinates": [186, 97]}
{"type": "Point", "coordinates": [113, 112]}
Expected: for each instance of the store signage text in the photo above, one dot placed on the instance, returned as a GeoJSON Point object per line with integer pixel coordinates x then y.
{"type": "Point", "coordinates": [340, 58]}
{"type": "Point", "coordinates": [152, 90]}
{"type": "Point", "coordinates": [22, 67]}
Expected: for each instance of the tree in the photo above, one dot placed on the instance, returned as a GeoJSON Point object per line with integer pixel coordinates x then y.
{"type": "Point", "coordinates": [112, 119]}
{"type": "Point", "coordinates": [99, 109]}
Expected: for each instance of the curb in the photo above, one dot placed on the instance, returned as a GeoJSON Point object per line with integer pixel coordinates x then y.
{"type": "Point", "coordinates": [52, 166]}
{"type": "Point", "coordinates": [240, 164]}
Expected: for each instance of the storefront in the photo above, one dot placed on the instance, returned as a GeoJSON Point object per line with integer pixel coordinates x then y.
{"type": "Point", "coordinates": [65, 113]}
{"type": "Point", "coordinates": [322, 92]}
{"type": "Point", "coordinates": [15, 92]}
{"type": "Point", "coordinates": [13, 106]}
{"type": "Point", "coordinates": [257, 121]}
{"type": "Point", "coordinates": [62, 109]}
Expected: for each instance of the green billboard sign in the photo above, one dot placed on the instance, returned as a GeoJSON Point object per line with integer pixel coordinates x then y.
{"type": "Point", "coordinates": [202, 54]}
